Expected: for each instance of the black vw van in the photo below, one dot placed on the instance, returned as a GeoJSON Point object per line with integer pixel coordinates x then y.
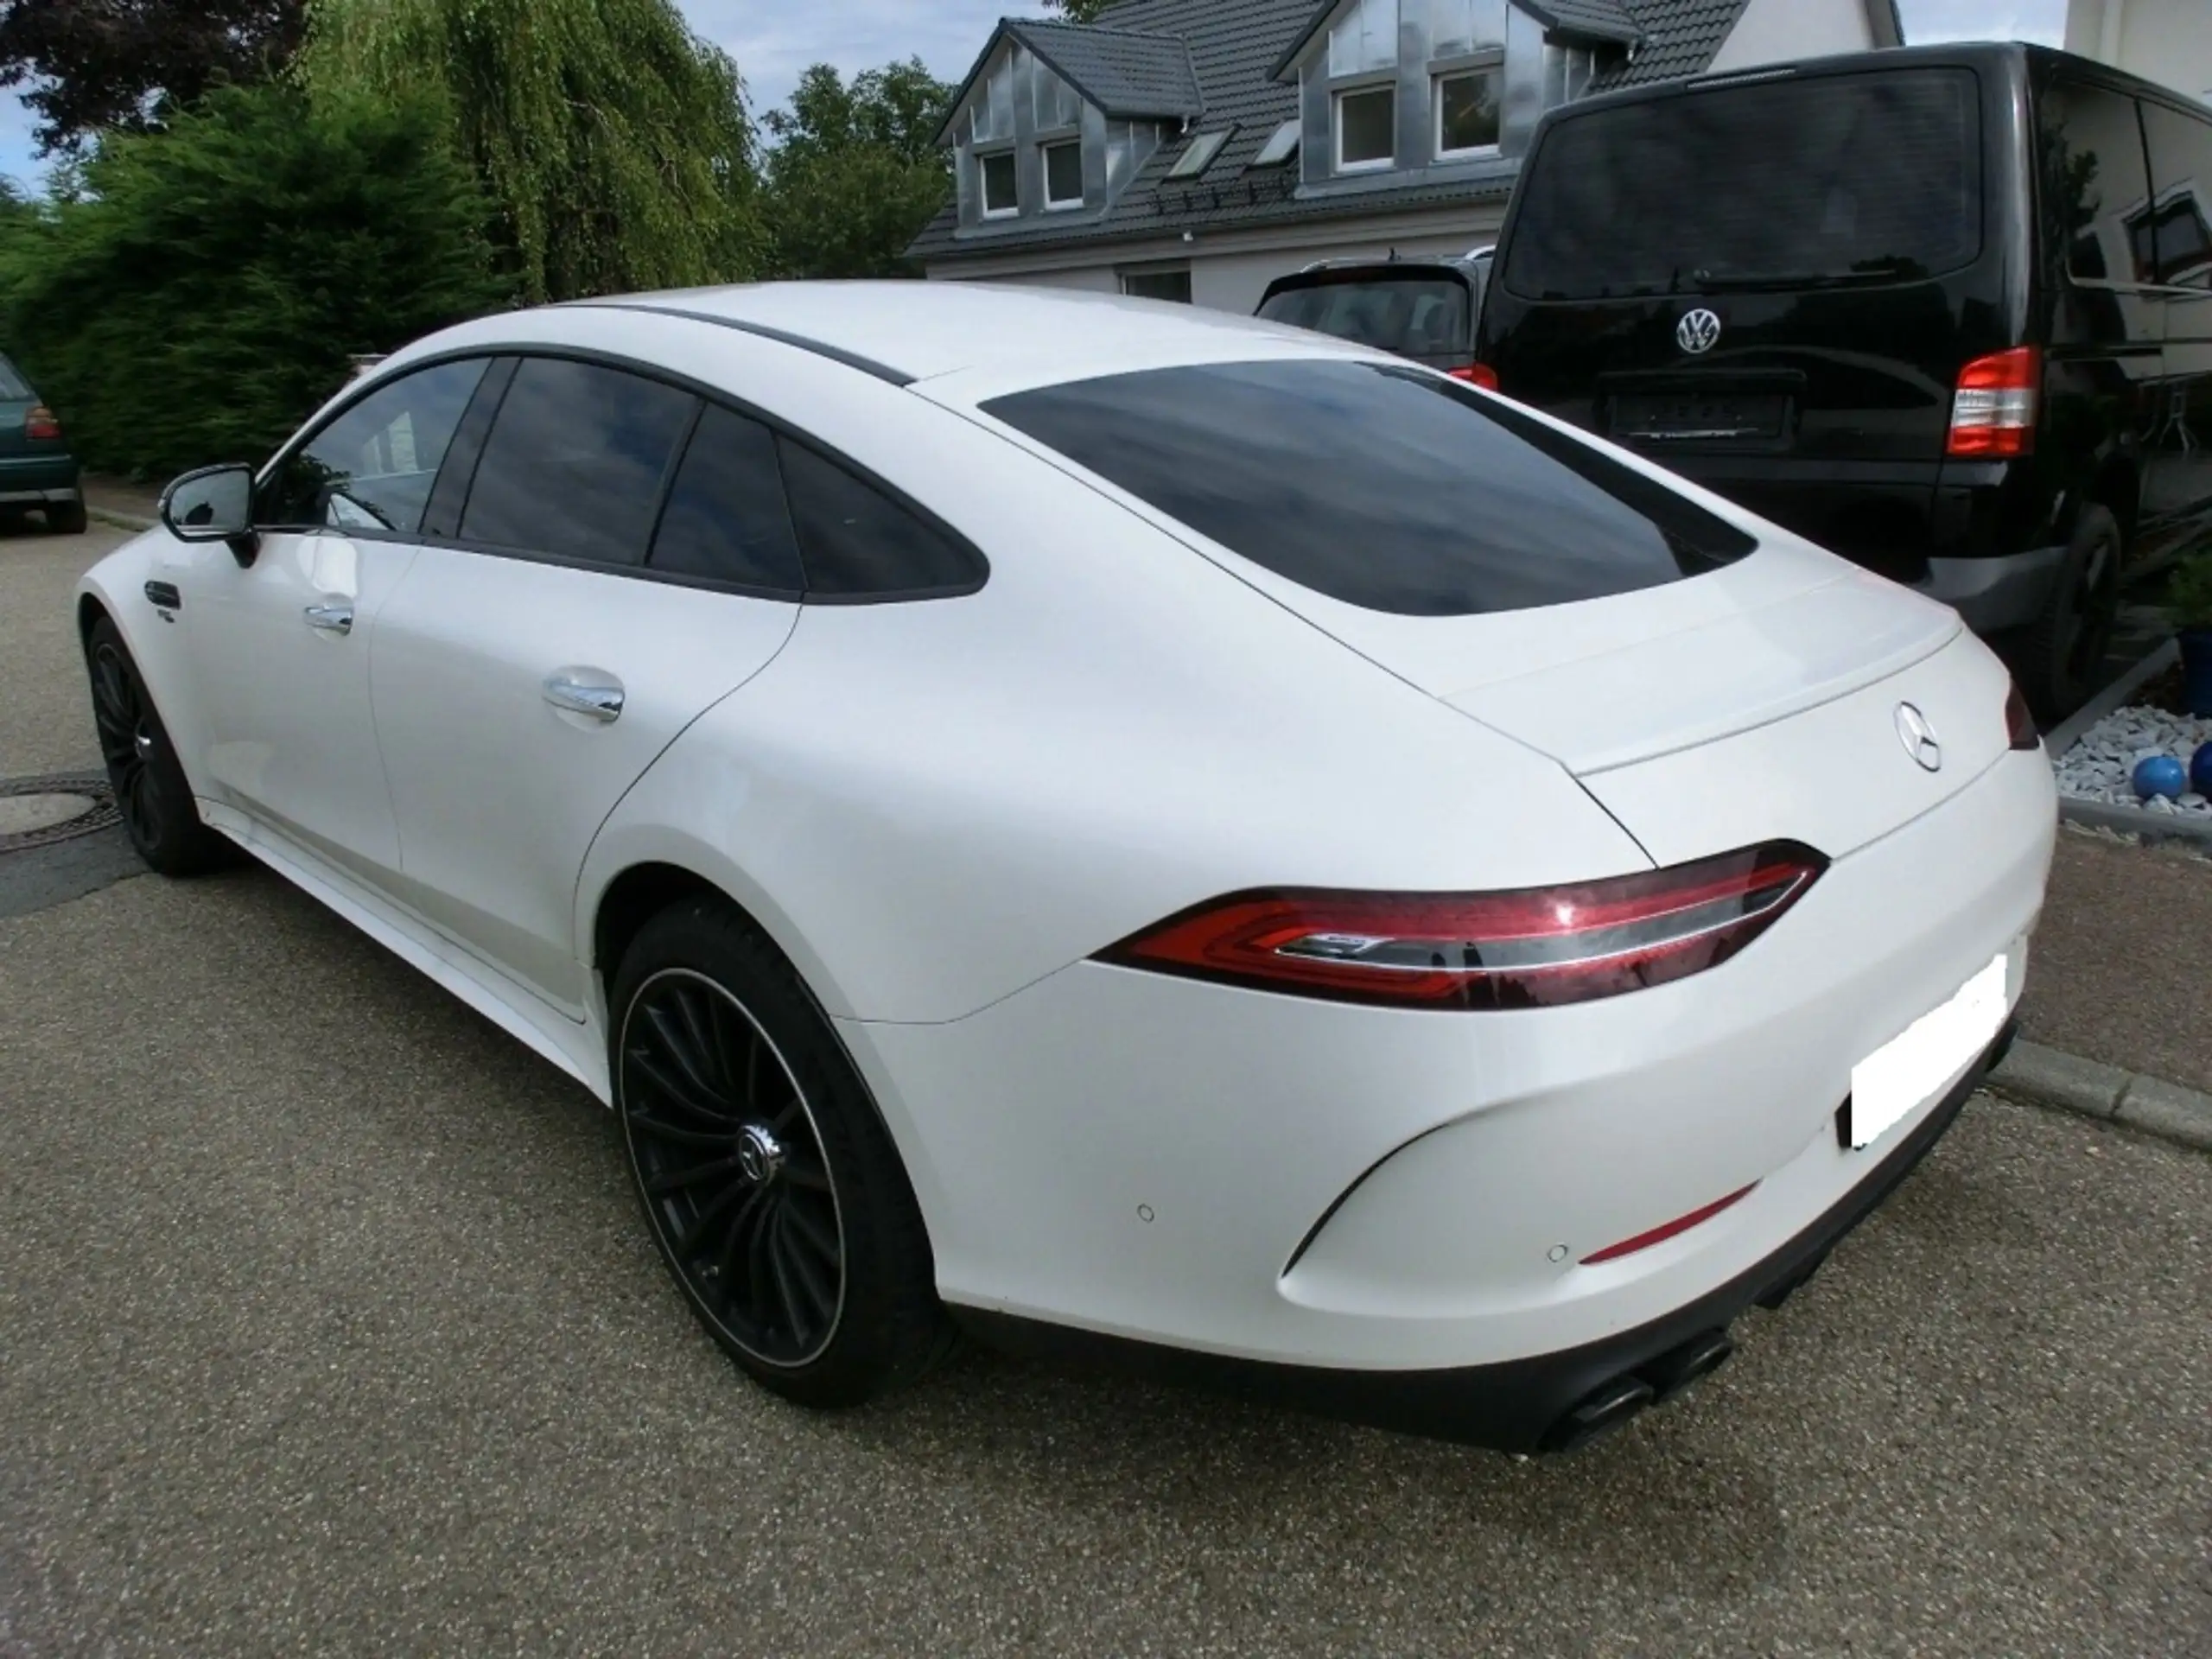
{"type": "Point", "coordinates": [1946, 310]}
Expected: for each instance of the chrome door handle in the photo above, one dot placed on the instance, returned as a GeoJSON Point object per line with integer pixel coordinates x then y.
{"type": "Point", "coordinates": [331, 618]}
{"type": "Point", "coordinates": [599, 700]}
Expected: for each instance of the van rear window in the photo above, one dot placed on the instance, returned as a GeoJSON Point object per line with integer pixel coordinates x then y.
{"type": "Point", "coordinates": [1795, 183]}
{"type": "Point", "coordinates": [1387, 487]}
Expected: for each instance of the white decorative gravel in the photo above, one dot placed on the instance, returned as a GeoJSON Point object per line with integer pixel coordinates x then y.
{"type": "Point", "coordinates": [2101, 766]}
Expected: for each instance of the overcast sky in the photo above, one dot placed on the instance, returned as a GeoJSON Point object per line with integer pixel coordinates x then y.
{"type": "Point", "coordinates": [772, 43]}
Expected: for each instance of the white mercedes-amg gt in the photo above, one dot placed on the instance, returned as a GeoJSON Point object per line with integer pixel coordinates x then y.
{"type": "Point", "coordinates": [1119, 828]}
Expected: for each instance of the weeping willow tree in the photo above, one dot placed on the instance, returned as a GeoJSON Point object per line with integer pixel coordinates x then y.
{"type": "Point", "coordinates": [612, 141]}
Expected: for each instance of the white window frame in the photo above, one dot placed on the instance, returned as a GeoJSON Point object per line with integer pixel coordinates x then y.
{"type": "Point", "coordinates": [1382, 164]}
{"type": "Point", "coordinates": [1436, 112]}
{"type": "Point", "coordinates": [1060, 204]}
{"type": "Point", "coordinates": [983, 184]}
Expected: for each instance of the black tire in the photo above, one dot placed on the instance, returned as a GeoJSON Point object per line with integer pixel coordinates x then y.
{"type": "Point", "coordinates": [772, 1187]}
{"type": "Point", "coordinates": [158, 811]}
{"type": "Point", "coordinates": [66, 519]}
{"type": "Point", "coordinates": [2057, 655]}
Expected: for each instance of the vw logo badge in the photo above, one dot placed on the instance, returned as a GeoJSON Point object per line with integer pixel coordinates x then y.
{"type": "Point", "coordinates": [1919, 738]}
{"type": "Point", "coordinates": [1698, 333]}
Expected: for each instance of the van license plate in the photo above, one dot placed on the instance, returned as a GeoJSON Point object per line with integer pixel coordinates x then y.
{"type": "Point", "coordinates": [1902, 1074]}
{"type": "Point", "coordinates": [1688, 417]}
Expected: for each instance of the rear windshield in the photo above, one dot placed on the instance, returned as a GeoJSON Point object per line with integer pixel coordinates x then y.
{"type": "Point", "coordinates": [1424, 317]}
{"type": "Point", "coordinates": [1386, 487]}
{"type": "Point", "coordinates": [1795, 183]}
{"type": "Point", "coordinates": [11, 384]}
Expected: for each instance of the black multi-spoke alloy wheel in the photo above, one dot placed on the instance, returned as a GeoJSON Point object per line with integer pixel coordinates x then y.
{"type": "Point", "coordinates": [151, 791]}
{"type": "Point", "coordinates": [2060, 651]}
{"type": "Point", "coordinates": [771, 1184]}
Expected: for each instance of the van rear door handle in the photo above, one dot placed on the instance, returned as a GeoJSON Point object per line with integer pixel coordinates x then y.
{"type": "Point", "coordinates": [331, 618]}
{"type": "Point", "coordinates": [599, 699]}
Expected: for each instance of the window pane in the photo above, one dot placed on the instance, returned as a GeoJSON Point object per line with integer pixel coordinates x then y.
{"type": "Point", "coordinates": [2096, 183]}
{"type": "Point", "coordinates": [1000, 195]}
{"type": "Point", "coordinates": [1173, 285]}
{"type": "Point", "coordinates": [854, 539]}
{"type": "Point", "coordinates": [372, 467]}
{"type": "Point", "coordinates": [12, 385]}
{"type": "Point", "coordinates": [2181, 170]}
{"type": "Point", "coordinates": [1367, 126]}
{"type": "Point", "coordinates": [575, 462]}
{"type": "Point", "coordinates": [1866, 177]}
{"type": "Point", "coordinates": [1366, 37]}
{"type": "Point", "coordinates": [1391, 488]}
{"type": "Point", "coordinates": [726, 516]}
{"type": "Point", "coordinates": [1281, 145]}
{"type": "Point", "coordinates": [1064, 173]}
{"type": "Point", "coordinates": [1466, 112]}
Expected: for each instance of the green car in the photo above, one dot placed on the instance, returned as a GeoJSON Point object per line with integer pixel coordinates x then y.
{"type": "Point", "coordinates": [36, 469]}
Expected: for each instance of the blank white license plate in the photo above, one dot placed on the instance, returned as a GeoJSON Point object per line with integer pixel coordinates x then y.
{"type": "Point", "coordinates": [1901, 1075]}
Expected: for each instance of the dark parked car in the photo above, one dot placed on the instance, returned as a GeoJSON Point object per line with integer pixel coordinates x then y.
{"type": "Point", "coordinates": [36, 469]}
{"type": "Point", "coordinates": [1422, 308]}
{"type": "Point", "coordinates": [1946, 310]}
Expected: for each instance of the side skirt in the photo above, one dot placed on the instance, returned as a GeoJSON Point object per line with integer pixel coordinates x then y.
{"type": "Point", "coordinates": [573, 1045]}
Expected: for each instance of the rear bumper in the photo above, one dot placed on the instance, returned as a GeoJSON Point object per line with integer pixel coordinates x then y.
{"type": "Point", "coordinates": [1518, 1405]}
{"type": "Point", "coordinates": [1992, 594]}
{"type": "Point", "coordinates": [38, 480]}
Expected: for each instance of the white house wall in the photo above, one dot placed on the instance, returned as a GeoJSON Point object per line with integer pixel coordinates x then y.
{"type": "Point", "coordinates": [2166, 41]}
{"type": "Point", "coordinates": [1778, 31]}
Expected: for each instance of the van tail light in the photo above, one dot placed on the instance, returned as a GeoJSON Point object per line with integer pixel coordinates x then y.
{"type": "Point", "coordinates": [1993, 412]}
{"type": "Point", "coordinates": [41, 424]}
{"type": "Point", "coordinates": [2019, 724]}
{"type": "Point", "coordinates": [1533, 947]}
{"type": "Point", "coordinates": [1476, 374]}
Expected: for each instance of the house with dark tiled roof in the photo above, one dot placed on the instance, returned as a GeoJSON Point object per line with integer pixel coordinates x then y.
{"type": "Point", "coordinates": [1196, 149]}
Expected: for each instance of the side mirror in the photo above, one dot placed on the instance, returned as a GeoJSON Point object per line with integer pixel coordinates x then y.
{"type": "Point", "coordinates": [213, 505]}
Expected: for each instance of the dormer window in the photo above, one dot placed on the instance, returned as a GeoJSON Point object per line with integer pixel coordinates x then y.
{"type": "Point", "coordinates": [1367, 127]}
{"type": "Point", "coordinates": [1002, 184]}
{"type": "Point", "coordinates": [1467, 105]}
{"type": "Point", "coordinates": [1063, 174]}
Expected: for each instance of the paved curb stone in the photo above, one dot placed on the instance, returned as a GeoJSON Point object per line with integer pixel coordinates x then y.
{"type": "Point", "coordinates": [121, 520]}
{"type": "Point", "coordinates": [2045, 1077]}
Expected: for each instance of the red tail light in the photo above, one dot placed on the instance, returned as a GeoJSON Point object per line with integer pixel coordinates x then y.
{"type": "Point", "coordinates": [41, 424]}
{"type": "Point", "coordinates": [1661, 1235]}
{"type": "Point", "coordinates": [1476, 374]}
{"type": "Point", "coordinates": [1993, 412]}
{"type": "Point", "coordinates": [1534, 947]}
{"type": "Point", "coordinates": [2019, 724]}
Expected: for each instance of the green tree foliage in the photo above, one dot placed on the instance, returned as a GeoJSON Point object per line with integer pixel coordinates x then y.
{"type": "Point", "coordinates": [1081, 11]}
{"type": "Point", "coordinates": [855, 172]}
{"type": "Point", "coordinates": [612, 142]}
{"type": "Point", "coordinates": [199, 295]}
{"type": "Point", "coordinates": [94, 64]}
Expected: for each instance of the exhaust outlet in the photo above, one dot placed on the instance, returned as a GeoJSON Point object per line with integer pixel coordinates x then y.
{"type": "Point", "coordinates": [1604, 1408]}
{"type": "Point", "coordinates": [1678, 1368]}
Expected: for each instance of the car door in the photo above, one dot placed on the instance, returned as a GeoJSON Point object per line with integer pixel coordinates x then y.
{"type": "Point", "coordinates": [531, 666]}
{"type": "Point", "coordinates": [279, 645]}
{"type": "Point", "coordinates": [2181, 182]}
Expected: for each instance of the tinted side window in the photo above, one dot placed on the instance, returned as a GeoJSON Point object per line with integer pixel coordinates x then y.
{"type": "Point", "coordinates": [856, 540]}
{"type": "Point", "coordinates": [2181, 174]}
{"type": "Point", "coordinates": [372, 467]}
{"type": "Point", "coordinates": [1415, 316]}
{"type": "Point", "coordinates": [2096, 188]}
{"type": "Point", "coordinates": [1383, 487]}
{"type": "Point", "coordinates": [575, 462]}
{"type": "Point", "coordinates": [726, 517]}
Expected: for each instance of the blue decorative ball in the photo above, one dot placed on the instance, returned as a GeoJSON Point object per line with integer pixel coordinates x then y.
{"type": "Point", "coordinates": [2161, 774]}
{"type": "Point", "coordinates": [2200, 770]}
